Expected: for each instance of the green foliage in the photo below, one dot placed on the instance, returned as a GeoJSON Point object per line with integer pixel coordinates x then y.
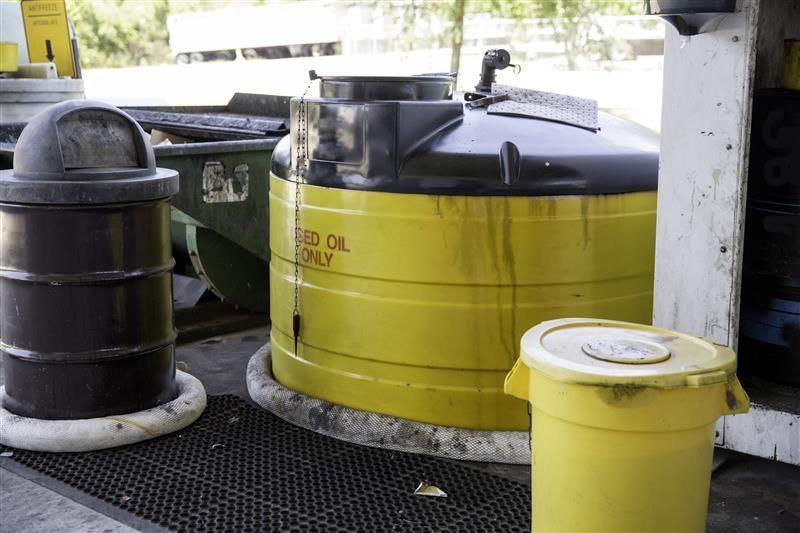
{"type": "Point", "coordinates": [116, 33]}
{"type": "Point", "coordinates": [575, 23]}
{"type": "Point", "coordinates": [126, 33]}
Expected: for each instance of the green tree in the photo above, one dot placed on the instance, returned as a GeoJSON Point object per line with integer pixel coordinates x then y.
{"type": "Point", "coordinates": [456, 33]}
{"type": "Point", "coordinates": [116, 33]}
{"type": "Point", "coordinates": [575, 23]}
{"type": "Point", "coordinates": [124, 33]}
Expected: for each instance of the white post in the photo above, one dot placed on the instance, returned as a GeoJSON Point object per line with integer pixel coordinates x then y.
{"type": "Point", "coordinates": [709, 81]}
{"type": "Point", "coordinates": [705, 128]}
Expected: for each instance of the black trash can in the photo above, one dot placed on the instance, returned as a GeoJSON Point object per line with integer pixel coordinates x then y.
{"type": "Point", "coordinates": [86, 325]}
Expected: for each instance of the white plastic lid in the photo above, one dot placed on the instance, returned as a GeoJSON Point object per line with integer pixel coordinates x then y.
{"type": "Point", "coordinates": [579, 350]}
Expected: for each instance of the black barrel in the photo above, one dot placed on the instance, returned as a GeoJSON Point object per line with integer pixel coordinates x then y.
{"type": "Point", "coordinates": [85, 268]}
{"type": "Point", "coordinates": [770, 318]}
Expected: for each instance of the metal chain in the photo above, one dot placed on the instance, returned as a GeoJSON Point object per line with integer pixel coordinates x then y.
{"type": "Point", "coordinates": [300, 173]}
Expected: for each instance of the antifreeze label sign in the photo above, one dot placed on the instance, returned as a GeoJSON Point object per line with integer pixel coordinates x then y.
{"type": "Point", "coordinates": [47, 33]}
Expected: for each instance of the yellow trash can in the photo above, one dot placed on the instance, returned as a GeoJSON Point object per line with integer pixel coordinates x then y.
{"type": "Point", "coordinates": [8, 57]}
{"type": "Point", "coordinates": [622, 424]}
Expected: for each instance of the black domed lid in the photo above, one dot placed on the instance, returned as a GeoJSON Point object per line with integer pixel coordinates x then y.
{"type": "Point", "coordinates": [84, 152]}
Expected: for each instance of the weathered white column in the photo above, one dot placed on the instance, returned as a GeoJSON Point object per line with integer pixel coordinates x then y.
{"type": "Point", "coordinates": [709, 81]}
{"type": "Point", "coordinates": [705, 126]}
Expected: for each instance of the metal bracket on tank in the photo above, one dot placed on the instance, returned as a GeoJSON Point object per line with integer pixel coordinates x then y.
{"type": "Point", "coordinates": [484, 101]}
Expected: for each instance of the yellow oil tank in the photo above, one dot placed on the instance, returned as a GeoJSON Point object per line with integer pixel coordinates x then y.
{"type": "Point", "coordinates": [622, 424]}
{"type": "Point", "coordinates": [431, 232]}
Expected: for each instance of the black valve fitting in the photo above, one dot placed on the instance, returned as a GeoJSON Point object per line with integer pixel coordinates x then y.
{"type": "Point", "coordinates": [493, 60]}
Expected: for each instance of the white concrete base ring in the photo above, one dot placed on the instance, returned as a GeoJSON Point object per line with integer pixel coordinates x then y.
{"type": "Point", "coordinates": [91, 434]}
{"type": "Point", "coordinates": [377, 430]}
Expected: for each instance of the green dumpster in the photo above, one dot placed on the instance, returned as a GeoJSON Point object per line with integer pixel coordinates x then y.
{"type": "Point", "coordinates": [220, 220]}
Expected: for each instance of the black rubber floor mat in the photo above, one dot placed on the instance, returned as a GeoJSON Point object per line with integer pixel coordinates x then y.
{"type": "Point", "coordinates": [239, 468]}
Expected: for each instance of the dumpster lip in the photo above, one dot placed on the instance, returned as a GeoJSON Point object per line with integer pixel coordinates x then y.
{"type": "Point", "coordinates": [216, 147]}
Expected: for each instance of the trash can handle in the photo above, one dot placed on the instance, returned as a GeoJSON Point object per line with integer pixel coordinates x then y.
{"type": "Point", "coordinates": [518, 380]}
{"type": "Point", "coordinates": [736, 400]}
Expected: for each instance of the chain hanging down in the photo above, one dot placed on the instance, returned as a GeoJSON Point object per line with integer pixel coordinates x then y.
{"type": "Point", "coordinates": [300, 172]}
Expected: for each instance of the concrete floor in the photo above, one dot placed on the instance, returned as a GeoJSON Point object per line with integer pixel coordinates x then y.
{"type": "Point", "coordinates": [26, 506]}
{"type": "Point", "coordinates": [747, 494]}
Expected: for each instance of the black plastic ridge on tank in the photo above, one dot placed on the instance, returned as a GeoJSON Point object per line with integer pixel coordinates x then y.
{"type": "Point", "coordinates": [425, 87]}
{"type": "Point", "coordinates": [428, 146]}
{"type": "Point", "coordinates": [85, 275]}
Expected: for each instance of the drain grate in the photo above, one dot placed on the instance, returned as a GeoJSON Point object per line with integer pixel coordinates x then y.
{"type": "Point", "coordinates": [239, 468]}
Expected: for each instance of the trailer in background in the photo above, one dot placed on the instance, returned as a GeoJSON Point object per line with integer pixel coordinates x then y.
{"type": "Point", "coordinates": [261, 32]}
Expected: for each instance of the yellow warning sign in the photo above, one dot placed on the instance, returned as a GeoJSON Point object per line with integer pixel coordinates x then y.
{"type": "Point", "coordinates": [47, 33]}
